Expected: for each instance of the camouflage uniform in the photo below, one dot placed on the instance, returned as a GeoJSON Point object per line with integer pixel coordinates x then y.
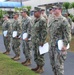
{"type": "Point", "coordinates": [26, 28]}
{"type": "Point", "coordinates": [16, 26]}
{"type": "Point", "coordinates": [70, 21]}
{"type": "Point", "coordinates": [39, 35]}
{"type": "Point", "coordinates": [59, 29]}
{"type": "Point", "coordinates": [6, 26]}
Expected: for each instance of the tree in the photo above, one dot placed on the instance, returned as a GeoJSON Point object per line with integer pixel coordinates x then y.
{"type": "Point", "coordinates": [66, 5]}
{"type": "Point", "coordinates": [72, 5]}
{"type": "Point", "coordinates": [16, 9]}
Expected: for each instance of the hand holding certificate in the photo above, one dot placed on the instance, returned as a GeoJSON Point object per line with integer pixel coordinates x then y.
{"type": "Point", "coordinates": [5, 33]}
{"type": "Point", "coordinates": [61, 44]}
{"type": "Point", "coordinates": [44, 49]}
{"type": "Point", "coordinates": [25, 35]}
{"type": "Point", "coordinates": [14, 34]}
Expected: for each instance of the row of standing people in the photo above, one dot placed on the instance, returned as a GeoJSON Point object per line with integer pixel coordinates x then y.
{"type": "Point", "coordinates": [58, 28]}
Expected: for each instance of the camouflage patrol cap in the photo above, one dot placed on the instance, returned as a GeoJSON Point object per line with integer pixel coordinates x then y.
{"type": "Point", "coordinates": [50, 8]}
{"type": "Point", "coordinates": [24, 10]}
{"type": "Point", "coordinates": [56, 7]}
{"type": "Point", "coordinates": [36, 9]}
{"type": "Point", "coordinates": [5, 15]}
{"type": "Point", "coordinates": [42, 9]}
{"type": "Point", "coordinates": [15, 13]}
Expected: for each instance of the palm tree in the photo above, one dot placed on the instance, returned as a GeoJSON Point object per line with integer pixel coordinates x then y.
{"type": "Point", "coordinates": [66, 5]}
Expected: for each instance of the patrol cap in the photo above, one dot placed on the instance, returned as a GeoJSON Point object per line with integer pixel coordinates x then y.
{"type": "Point", "coordinates": [15, 13]}
{"type": "Point", "coordinates": [24, 10]}
{"type": "Point", "coordinates": [5, 15]}
{"type": "Point", "coordinates": [50, 8]}
{"type": "Point", "coordinates": [36, 9]}
{"type": "Point", "coordinates": [56, 7]}
{"type": "Point", "coordinates": [42, 9]}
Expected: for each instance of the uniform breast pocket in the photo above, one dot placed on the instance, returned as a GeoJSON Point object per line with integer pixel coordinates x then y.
{"type": "Point", "coordinates": [37, 28]}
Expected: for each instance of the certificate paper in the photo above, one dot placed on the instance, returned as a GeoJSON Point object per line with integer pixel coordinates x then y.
{"type": "Point", "coordinates": [44, 49]}
{"type": "Point", "coordinates": [5, 33]}
{"type": "Point", "coordinates": [25, 36]}
{"type": "Point", "coordinates": [14, 34]}
{"type": "Point", "coordinates": [60, 45]}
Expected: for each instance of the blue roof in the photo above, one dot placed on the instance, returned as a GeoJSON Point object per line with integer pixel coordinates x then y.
{"type": "Point", "coordinates": [10, 4]}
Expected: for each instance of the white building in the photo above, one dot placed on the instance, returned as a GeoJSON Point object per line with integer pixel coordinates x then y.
{"type": "Point", "coordinates": [34, 3]}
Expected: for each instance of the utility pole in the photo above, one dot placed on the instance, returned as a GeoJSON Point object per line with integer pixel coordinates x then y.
{"type": "Point", "coordinates": [21, 2]}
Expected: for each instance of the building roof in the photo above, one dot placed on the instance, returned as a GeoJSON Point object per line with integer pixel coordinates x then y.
{"type": "Point", "coordinates": [10, 4]}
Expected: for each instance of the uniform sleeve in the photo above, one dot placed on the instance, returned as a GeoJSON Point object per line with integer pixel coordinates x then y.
{"type": "Point", "coordinates": [66, 32]}
{"type": "Point", "coordinates": [19, 28]}
{"type": "Point", "coordinates": [70, 21]}
{"type": "Point", "coordinates": [43, 31]}
{"type": "Point", "coordinates": [9, 28]}
{"type": "Point", "coordinates": [29, 29]}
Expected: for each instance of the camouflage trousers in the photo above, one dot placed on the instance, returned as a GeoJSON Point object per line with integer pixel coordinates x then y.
{"type": "Point", "coordinates": [26, 49]}
{"type": "Point", "coordinates": [16, 46]}
{"type": "Point", "coordinates": [57, 60]}
{"type": "Point", "coordinates": [7, 43]}
{"type": "Point", "coordinates": [39, 59]}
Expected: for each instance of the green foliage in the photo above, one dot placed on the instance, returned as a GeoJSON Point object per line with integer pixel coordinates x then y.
{"type": "Point", "coordinates": [73, 18]}
{"type": "Point", "coordinates": [16, 9]}
{"type": "Point", "coordinates": [28, 7]}
{"type": "Point", "coordinates": [2, 13]}
{"type": "Point", "coordinates": [72, 5]}
{"type": "Point", "coordinates": [66, 5]}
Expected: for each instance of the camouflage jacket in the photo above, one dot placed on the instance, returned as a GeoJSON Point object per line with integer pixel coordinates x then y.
{"type": "Point", "coordinates": [26, 26]}
{"type": "Point", "coordinates": [59, 29]}
{"type": "Point", "coordinates": [39, 31]}
{"type": "Point", "coordinates": [7, 26]}
{"type": "Point", "coordinates": [69, 20]}
{"type": "Point", "coordinates": [16, 26]}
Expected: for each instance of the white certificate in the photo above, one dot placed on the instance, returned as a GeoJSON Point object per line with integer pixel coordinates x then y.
{"type": "Point", "coordinates": [61, 44]}
{"type": "Point", "coordinates": [44, 49]}
{"type": "Point", "coordinates": [14, 34]}
{"type": "Point", "coordinates": [25, 36]}
{"type": "Point", "coordinates": [5, 33]}
{"type": "Point", "coordinates": [29, 38]}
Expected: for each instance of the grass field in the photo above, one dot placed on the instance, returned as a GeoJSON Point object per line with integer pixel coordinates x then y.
{"type": "Point", "coordinates": [10, 67]}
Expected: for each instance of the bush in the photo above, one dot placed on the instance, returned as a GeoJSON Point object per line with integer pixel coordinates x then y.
{"type": "Point", "coordinates": [73, 18]}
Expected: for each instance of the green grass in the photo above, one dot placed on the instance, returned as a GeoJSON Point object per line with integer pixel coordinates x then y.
{"type": "Point", "coordinates": [10, 67]}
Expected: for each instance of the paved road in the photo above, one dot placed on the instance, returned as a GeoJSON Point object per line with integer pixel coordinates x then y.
{"type": "Point", "coordinates": [69, 63]}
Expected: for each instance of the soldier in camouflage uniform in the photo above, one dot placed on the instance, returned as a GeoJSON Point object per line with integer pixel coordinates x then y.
{"type": "Point", "coordinates": [68, 18]}
{"type": "Point", "coordinates": [26, 28]}
{"type": "Point", "coordinates": [6, 27]}
{"type": "Point", "coordinates": [16, 26]}
{"type": "Point", "coordinates": [59, 29]}
{"type": "Point", "coordinates": [38, 39]}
